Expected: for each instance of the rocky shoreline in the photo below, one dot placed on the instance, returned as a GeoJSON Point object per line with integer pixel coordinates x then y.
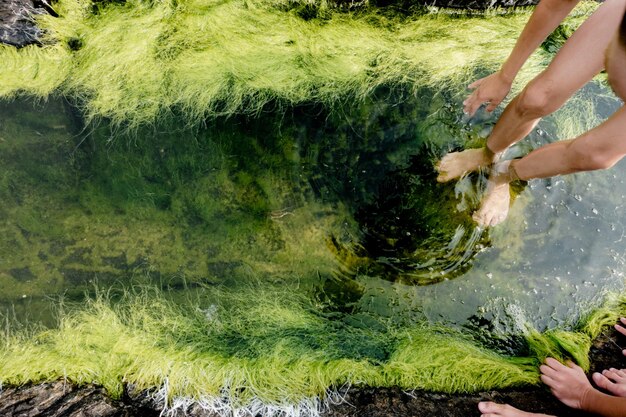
{"type": "Point", "coordinates": [59, 399]}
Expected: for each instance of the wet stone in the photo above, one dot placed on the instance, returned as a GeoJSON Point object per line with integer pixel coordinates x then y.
{"type": "Point", "coordinates": [59, 399]}
{"type": "Point", "coordinates": [17, 27]}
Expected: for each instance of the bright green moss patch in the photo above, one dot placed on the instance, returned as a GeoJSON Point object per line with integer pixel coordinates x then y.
{"type": "Point", "coordinates": [136, 62]}
{"type": "Point", "coordinates": [267, 344]}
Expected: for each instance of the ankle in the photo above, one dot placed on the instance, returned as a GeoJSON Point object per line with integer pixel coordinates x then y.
{"type": "Point", "coordinates": [489, 156]}
{"type": "Point", "coordinates": [504, 172]}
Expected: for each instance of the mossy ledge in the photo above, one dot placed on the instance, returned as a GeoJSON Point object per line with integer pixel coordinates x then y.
{"type": "Point", "coordinates": [138, 61]}
{"type": "Point", "coordinates": [176, 353]}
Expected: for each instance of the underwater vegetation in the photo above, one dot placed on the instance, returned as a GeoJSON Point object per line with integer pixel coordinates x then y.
{"type": "Point", "coordinates": [234, 225]}
{"type": "Point", "coordinates": [231, 203]}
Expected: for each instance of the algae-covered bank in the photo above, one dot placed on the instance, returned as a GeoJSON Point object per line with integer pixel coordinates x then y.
{"type": "Point", "coordinates": [230, 206]}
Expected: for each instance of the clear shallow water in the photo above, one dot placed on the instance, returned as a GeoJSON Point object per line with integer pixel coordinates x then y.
{"type": "Point", "coordinates": [343, 205]}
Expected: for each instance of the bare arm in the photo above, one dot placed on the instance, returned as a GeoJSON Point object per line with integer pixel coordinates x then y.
{"type": "Point", "coordinates": [546, 17]}
{"type": "Point", "coordinates": [605, 405]}
{"type": "Point", "coordinates": [493, 88]}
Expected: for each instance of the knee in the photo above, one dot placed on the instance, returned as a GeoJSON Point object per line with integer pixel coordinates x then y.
{"type": "Point", "coordinates": [537, 100]}
{"type": "Point", "coordinates": [586, 158]}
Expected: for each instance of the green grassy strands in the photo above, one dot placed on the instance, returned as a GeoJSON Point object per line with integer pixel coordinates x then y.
{"type": "Point", "coordinates": [35, 71]}
{"type": "Point", "coordinates": [137, 61]}
{"type": "Point", "coordinates": [575, 345]}
{"type": "Point", "coordinates": [595, 322]}
{"type": "Point", "coordinates": [150, 342]}
{"type": "Point", "coordinates": [446, 362]}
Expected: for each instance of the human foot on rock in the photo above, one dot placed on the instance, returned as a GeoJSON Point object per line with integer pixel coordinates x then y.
{"type": "Point", "coordinates": [613, 380]}
{"type": "Point", "coordinates": [455, 164]}
{"type": "Point", "coordinates": [490, 409]}
{"type": "Point", "coordinates": [622, 329]}
{"type": "Point", "coordinates": [495, 204]}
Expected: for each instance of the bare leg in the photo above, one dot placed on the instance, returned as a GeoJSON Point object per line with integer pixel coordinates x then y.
{"type": "Point", "coordinates": [489, 409]}
{"type": "Point", "coordinates": [579, 59]}
{"type": "Point", "coordinates": [575, 64]}
{"type": "Point", "coordinates": [599, 148]}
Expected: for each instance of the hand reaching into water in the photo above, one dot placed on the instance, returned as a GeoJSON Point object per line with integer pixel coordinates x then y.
{"type": "Point", "coordinates": [491, 89]}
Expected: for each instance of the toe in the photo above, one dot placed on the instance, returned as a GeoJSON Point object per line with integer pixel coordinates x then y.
{"type": "Point", "coordinates": [495, 220]}
{"type": "Point", "coordinates": [480, 219]}
{"type": "Point", "coordinates": [490, 408]}
{"type": "Point", "coordinates": [602, 381]}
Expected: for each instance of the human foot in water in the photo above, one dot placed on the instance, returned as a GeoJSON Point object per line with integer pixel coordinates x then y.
{"type": "Point", "coordinates": [495, 204]}
{"type": "Point", "coordinates": [455, 164]}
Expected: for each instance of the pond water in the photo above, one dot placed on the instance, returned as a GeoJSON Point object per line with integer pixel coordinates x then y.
{"type": "Point", "coordinates": [341, 205]}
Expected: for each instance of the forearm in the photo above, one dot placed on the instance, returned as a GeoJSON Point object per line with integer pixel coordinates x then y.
{"type": "Point", "coordinates": [545, 18]}
{"type": "Point", "coordinates": [605, 405]}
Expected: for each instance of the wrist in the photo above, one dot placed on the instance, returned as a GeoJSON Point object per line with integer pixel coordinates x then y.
{"type": "Point", "coordinates": [506, 74]}
{"type": "Point", "coordinates": [589, 399]}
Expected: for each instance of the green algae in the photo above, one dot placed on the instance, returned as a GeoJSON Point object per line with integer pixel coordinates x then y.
{"type": "Point", "coordinates": [207, 210]}
{"type": "Point", "coordinates": [214, 344]}
{"type": "Point", "coordinates": [225, 216]}
{"type": "Point", "coordinates": [79, 211]}
{"type": "Point", "coordinates": [138, 61]}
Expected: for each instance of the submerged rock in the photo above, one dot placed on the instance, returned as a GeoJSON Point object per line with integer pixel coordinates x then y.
{"type": "Point", "coordinates": [17, 26]}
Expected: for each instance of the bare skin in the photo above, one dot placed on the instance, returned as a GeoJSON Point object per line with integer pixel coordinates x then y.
{"type": "Point", "coordinates": [613, 380]}
{"type": "Point", "coordinates": [490, 409]}
{"type": "Point", "coordinates": [456, 164]}
{"type": "Point", "coordinates": [582, 56]}
{"type": "Point", "coordinates": [494, 88]}
{"type": "Point", "coordinates": [495, 204]}
{"type": "Point", "coordinates": [569, 385]}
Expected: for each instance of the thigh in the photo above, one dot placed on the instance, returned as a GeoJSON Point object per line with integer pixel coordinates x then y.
{"type": "Point", "coordinates": [582, 56]}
